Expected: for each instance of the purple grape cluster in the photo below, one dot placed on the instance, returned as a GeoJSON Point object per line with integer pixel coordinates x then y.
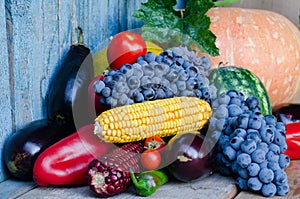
{"type": "Point", "coordinates": [250, 145]}
{"type": "Point", "coordinates": [175, 72]}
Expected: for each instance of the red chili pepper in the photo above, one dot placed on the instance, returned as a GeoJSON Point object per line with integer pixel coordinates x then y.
{"type": "Point", "coordinates": [66, 162]}
{"type": "Point", "coordinates": [293, 140]}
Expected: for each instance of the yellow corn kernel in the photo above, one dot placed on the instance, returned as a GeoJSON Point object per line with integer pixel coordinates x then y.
{"type": "Point", "coordinates": [164, 117]}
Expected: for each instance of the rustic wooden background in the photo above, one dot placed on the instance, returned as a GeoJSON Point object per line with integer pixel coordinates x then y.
{"type": "Point", "coordinates": [36, 34]}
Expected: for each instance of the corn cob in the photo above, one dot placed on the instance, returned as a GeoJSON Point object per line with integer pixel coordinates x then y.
{"type": "Point", "coordinates": [164, 117]}
{"type": "Point", "coordinates": [109, 175]}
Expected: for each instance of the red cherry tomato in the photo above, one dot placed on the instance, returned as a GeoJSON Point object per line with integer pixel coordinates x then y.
{"type": "Point", "coordinates": [150, 159]}
{"type": "Point", "coordinates": [154, 142]}
{"type": "Point", "coordinates": [95, 107]}
{"type": "Point", "coordinates": [125, 48]}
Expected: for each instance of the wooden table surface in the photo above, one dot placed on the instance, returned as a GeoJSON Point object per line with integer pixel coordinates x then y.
{"type": "Point", "coordinates": [214, 186]}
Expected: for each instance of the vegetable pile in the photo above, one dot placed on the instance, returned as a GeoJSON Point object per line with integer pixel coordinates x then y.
{"type": "Point", "coordinates": [157, 115]}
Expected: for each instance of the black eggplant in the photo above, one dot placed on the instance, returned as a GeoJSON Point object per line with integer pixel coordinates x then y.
{"type": "Point", "coordinates": [287, 113]}
{"type": "Point", "coordinates": [67, 98]}
{"type": "Point", "coordinates": [22, 147]}
{"type": "Point", "coordinates": [191, 157]}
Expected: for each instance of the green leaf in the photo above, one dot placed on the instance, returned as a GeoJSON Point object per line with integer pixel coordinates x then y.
{"type": "Point", "coordinates": [165, 25]}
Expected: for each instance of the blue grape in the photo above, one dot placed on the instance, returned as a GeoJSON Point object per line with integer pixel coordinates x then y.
{"type": "Point", "coordinates": [268, 190]}
{"type": "Point", "coordinates": [133, 82]}
{"type": "Point", "coordinates": [106, 92]}
{"type": "Point", "coordinates": [275, 148]}
{"type": "Point", "coordinates": [112, 102]}
{"type": "Point", "coordinates": [160, 94]}
{"type": "Point", "coordinates": [280, 126]}
{"type": "Point", "coordinates": [232, 93]}
{"type": "Point", "coordinates": [236, 142]}
{"type": "Point", "coordinates": [234, 110]}
{"type": "Point", "coordinates": [242, 183]}
{"type": "Point", "coordinates": [243, 172]}
{"type": "Point", "coordinates": [258, 156]}
{"type": "Point", "coordinates": [235, 167]}
{"type": "Point", "coordinates": [235, 100]}
{"type": "Point", "coordinates": [221, 112]}
{"type": "Point", "coordinates": [148, 94]}
{"type": "Point", "coordinates": [270, 120]}
{"type": "Point", "coordinates": [181, 85]}
{"type": "Point", "coordinates": [98, 86]}
{"type": "Point", "coordinates": [252, 102]}
{"type": "Point", "coordinates": [123, 99]}
{"type": "Point", "coordinates": [243, 160]}
{"type": "Point", "coordinates": [280, 140]}
{"type": "Point", "coordinates": [263, 146]}
{"type": "Point", "coordinates": [148, 70]}
{"type": "Point", "coordinates": [253, 169]}
{"type": "Point", "coordinates": [284, 161]}
{"type": "Point", "coordinates": [149, 57]}
{"type": "Point", "coordinates": [266, 175]}
{"type": "Point", "coordinates": [192, 71]}
{"type": "Point", "coordinates": [127, 69]}
{"type": "Point", "coordinates": [248, 146]}
{"type": "Point", "coordinates": [283, 189]}
{"type": "Point", "coordinates": [242, 121]}
{"type": "Point", "coordinates": [172, 75]}
{"type": "Point", "coordinates": [223, 99]}
{"type": "Point", "coordinates": [263, 164]}
{"type": "Point", "coordinates": [267, 134]}
{"type": "Point", "coordinates": [280, 177]}
{"type": "Point", "coordinates": [205, 62]}
{"type": "Point", "coordinates": [240, 132]}
{"type": "Point", "coordinates": [159, 59]}
{"type": "Point", "coordinates": [254, 123]}
{"type": "Point", "coordinates": [229, 153]}
{"type": "Point", "coordinates": [254, 184]}
{"type": "Point", "coordinates": [253, 134]}
{"type": "Point", "coordinates": [274, 166]}
{"type": "Point", "coordinates": [183, 75]}
{"type": "Point", "coordinates": [272, 157]}
{"type": "Point", "coordinates": [139, 97]}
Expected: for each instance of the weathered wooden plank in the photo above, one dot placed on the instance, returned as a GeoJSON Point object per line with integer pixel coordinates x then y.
{"type": "Point", "coordinates": [5, 100]}
{"type": "Point", "coordinates": [12, 189]}
{"type": "Point", "coordinates": [215, 186]}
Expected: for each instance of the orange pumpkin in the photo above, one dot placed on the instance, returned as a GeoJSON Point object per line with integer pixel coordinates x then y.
{"type": "Point", "coordinates": [264, 42]}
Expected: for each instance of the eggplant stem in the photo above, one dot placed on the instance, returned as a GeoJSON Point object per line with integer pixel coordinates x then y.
{"type": "Point", "coordinates": [80, 38]}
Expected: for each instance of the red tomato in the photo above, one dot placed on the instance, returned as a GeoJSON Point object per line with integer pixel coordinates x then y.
{"type": "Point", "coordinates": [95, 107]}
{"type": "Point", "coordinates": [125, 48]}
{"type": "Point", "coordinates": [150, 159]}
{"type": "Point", "coordinates": [154, 142]}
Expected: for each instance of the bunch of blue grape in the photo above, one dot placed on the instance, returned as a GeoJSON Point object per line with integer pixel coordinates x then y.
{"type": "Point", "coordinates": [250, 146]}
{"type": "Point", "coordinates": [175, 72]}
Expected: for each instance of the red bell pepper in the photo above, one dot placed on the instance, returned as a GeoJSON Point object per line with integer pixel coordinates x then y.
{"type": "Point", "coordinates": [293, 140]}
{"type": "Point", "coordinates": [66, 162]}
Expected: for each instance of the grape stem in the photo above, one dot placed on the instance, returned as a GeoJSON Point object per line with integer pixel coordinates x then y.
{"type": "Point", "coordinates": [225, 2]}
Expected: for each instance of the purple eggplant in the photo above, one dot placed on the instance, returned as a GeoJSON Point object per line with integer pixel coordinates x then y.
{"type": "Point", "coordinates": [23, 146]}
{"type": "Point", "coordinates": [190, 159]}
{"type": "Point", "coordinates": [287, 113]}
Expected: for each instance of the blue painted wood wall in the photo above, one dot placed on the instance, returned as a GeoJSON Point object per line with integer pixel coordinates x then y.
{"type": "Point", "coordinates": [35, 36]}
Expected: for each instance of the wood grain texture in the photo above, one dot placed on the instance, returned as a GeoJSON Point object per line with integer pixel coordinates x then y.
{"type": "Point", "coordinates": [214, 186]}
{"type": "Point", "coordinates": [5, 100]}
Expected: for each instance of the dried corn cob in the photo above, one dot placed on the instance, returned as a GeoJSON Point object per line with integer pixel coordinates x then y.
{"type": "Point", "coordinates": [109, 175]}
{"type": "Point", "coordinates": [165, 117]}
